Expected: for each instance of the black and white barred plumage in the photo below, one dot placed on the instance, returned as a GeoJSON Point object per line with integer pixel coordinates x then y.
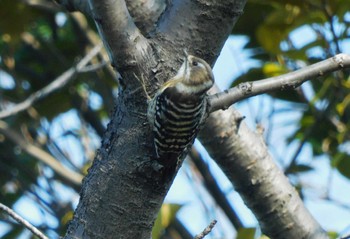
{"type": "Point", "coordinates": [178, 108]}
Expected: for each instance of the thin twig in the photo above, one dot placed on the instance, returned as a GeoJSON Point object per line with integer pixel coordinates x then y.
{"type": "Point", "coordinates": [66, 173]}
{"type": "Point", "coordinates": [206, 231]}
{"type": "Point", "coordinates": [22, 221]}
{"type": "Point", "coordinates": [93, 67]}
{"type": "Point", "coordinates": [58, 83]}
{"type": "Point", "coordinates": [291, 80]}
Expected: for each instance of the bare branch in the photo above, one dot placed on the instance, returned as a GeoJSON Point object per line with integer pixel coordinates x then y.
{"type": "Point", "coordinates": [288, 81]}
{"type": "Point", "coordinates": [123, 40]}
{"type": "Point", "coordinates": [94, 67]}
{"type": "Point", "coordinates": [42, 4]}
{"type": "Point", "coordinates": [206, 231]}
{"type": "Point", "coordinates": [43, 156]}
{"type": "Point", "coordinates": [244, 158]}
{"type": "Point", "coordinates": [58, 83]}
{"type": "Point", "coordinates": [22, 221]}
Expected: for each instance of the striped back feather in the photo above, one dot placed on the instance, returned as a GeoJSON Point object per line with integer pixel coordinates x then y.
{"type": "Point", "coordinates": [176, 124]}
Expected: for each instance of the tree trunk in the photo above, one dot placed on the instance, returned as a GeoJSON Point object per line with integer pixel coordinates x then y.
{"type": "Point", "coordinates": [124, 188]}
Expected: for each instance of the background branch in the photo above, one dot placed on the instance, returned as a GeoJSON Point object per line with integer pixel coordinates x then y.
{"type": "Point", "coordinates": [22, 221]}
{"type": "Point", "coordinates": [214, 189]}
{"type": "Point", "coordinates": [290, 80]}
{"type": "Point", "coordinates": [244, 158]}
{"type": "Point", "coordinates": [66, 174]}
{"type": "Point", "coordinates": [55, 85]}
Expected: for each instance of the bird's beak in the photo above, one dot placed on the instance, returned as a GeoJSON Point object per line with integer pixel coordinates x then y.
{"type": "Point", "coordinates": [186, 60]}
{"type": "Point", "coordinates": [186, 56]}
{"type": "Point", "coordinates": [186, 53]}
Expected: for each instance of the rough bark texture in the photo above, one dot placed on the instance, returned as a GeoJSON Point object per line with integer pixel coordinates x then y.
{"type": "Point", "coordinates": [125, 188]}
{"type": "Point", "coordinates": [243, 156]}
{"type": "Point", "coordinates": [146, 13]}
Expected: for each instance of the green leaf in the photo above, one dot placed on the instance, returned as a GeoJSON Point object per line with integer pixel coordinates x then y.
{"type": "Point", "coordinates": [16, 18]}
{"type": "Point", "coordinates": [333, 235]}
{"type": "Point", "coordinates": [342, 162]}
{"type": "Point", "coordinates": [298, 168]}
{"type": "Point", "coordinates": [14, 232]}
{"type": "Point", "coordinates": [246, 233]}
{"type": "Point", "coordinates": [271, 69]}
{"type": "Point", "coordinates": [165, 217]}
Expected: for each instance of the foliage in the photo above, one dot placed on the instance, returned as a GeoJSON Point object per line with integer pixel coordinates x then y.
{"type": "Point", "coordinates": [276, 40]}
{"type": "Point", "coordinates": [38, 44]}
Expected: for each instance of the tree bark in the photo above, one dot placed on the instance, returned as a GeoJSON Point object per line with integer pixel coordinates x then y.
{"type": "Point", "coordinates": [124, 188]}
{"type": "Point", "coordinates": [244, 158]}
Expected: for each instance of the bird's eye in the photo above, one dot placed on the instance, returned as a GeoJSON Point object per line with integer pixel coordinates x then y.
{"type": "Point", "coordinates": [195, 63]}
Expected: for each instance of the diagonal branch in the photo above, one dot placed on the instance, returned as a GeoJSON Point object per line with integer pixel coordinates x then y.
{"type": "Point", "coordinates": [55, 85]}
{"type": "Point", "coordinates": [206, 230]}
{"type": "Point", "coordinates": [65, 173]}
{"type": "Point", "coordinates": [291, 80]}
{"type": "Point", "coordinates": [22, 221]}
{"type": "Point", "coordinates": [244, 158]}
{"type": "Point", "coordinates": [122, 38]}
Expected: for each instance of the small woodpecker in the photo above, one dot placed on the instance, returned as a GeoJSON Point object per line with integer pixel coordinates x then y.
{"type": "Point", "coordinates": [178, 109]}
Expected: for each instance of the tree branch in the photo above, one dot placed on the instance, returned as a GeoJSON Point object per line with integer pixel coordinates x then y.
{"type": "Point", "coordinates": [244, 158]}
{"type": "Point", "coordinates": [206, 231]}
{"type": "Point", "coordinates": [22, 221]}
{"type": "Point", "coordinates": [123, 40]}
{"type": "Point", "coordinates": [55, 85]}
{"type": "Point", "coordinates": [66, 174]}
{"type": "Point", "coordinates": [205, 19]}
{"type": "Point", "coordinates": [290, 80]}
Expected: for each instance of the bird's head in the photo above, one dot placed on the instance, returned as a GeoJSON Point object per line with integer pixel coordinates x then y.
{"type": "Point", "coordinates": [196, 76]}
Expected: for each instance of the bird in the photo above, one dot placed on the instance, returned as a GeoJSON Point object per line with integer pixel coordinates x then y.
{"type": "Point", "coordinates": [178, 109]}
